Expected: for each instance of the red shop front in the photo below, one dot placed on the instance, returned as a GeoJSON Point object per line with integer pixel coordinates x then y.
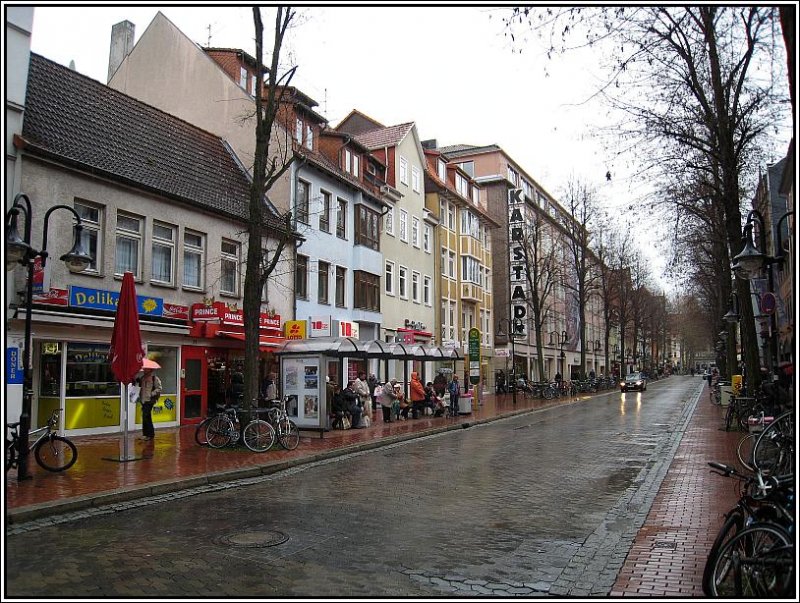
{"type": "Point", "coordinates": [206, 367]}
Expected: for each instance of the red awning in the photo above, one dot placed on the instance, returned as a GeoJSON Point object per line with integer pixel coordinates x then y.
{"type": "Point", "coordinates": [265, 342]}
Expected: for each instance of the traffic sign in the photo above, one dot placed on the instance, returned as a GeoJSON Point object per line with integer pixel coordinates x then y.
{"type": "Point", "coordinates": [768, 303]}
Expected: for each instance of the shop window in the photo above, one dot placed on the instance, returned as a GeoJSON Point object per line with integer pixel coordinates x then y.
{"type": "Point", "coordinates": [50, 374]}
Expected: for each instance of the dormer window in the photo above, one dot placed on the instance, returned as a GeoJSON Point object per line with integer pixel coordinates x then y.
{"type": "Point", "coordinates": [441, 169]}
{"type": "Point", "coordinates": [351, 162]}
{"type": "Point", "coordinates": [298, 131]}
{"type": "Point", "coordinates": [462, 187]}
{"type": "Point", "coordinates": [309, 138]}
{"type": "Point", "coordinates": [243, 77]}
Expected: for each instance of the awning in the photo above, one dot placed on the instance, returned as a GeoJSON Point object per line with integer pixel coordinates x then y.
{"type": "Point", "coordinates": [265, 342]}
{"type": "Point", "coordinates": [354, 348]}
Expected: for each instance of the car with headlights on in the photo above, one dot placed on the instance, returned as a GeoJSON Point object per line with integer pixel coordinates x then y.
{"type": "Point", "coordinates": [633, 382]}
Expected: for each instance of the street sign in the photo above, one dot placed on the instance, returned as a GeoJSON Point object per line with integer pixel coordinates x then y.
{"type": "Point", "coordinates": [502, 353]}
{"type": "Point", "coordinates": [768, 303]}
{"type": "Point", "coordinates": [474, 339]}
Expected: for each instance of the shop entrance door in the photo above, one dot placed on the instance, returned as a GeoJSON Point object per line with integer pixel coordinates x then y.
{"type": "Point", "coordinates": [193, 385]}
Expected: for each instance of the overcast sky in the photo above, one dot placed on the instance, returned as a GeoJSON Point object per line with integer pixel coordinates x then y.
{"type": "Point", "coordinates": [450, 70]}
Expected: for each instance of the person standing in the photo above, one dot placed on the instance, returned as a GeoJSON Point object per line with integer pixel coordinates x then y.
{"type": "Point", "coordinates": [373, 384]}
{"type": "Point", "coordinates": [417, 396]}
{"type": "Point", "coordinates": [361, 387]}
{"type": "Point", "coordinates": [149, 393]}
{"type": "Point", "coordinates": [455, 393]}
{"type": "Point", "coordinates": [386, 397]}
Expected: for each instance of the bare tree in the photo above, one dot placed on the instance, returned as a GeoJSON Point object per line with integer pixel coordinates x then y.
{"type": "Point", "coordinates": [268, 233]}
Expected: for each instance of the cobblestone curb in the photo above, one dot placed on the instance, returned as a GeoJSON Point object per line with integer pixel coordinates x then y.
{"type": "Point", "coordinates": [593, 570]}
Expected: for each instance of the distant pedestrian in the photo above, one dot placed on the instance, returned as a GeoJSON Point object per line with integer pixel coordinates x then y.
{"type": "Point", "coordinates": [373, 384]}
{"type": "Point", "coordinates": [149, 393]}
{"type": "Point", "coordinates": [455, 393]}
{"type": "Point", "coordinates": [361, 388]}
{"type": "Point", "coordinates": [387, 396]}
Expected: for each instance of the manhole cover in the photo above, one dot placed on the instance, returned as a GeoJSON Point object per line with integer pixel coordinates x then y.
{"type": "Point", "coordinates": [253, 539]}
{"type": "Point", "coordinates": [661, 544]}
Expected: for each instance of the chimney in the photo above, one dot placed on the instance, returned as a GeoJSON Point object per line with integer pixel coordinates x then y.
{"type": "Point", "coordinates": [121, 45]}
{"type": "Point", "coordinates": [429, 144]}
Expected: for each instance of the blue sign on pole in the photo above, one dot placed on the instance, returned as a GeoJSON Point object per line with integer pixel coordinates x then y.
{"type": "Point", "coordinates": [13, 369]}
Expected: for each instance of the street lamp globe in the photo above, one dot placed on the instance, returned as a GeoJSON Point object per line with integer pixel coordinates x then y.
{"type": "Point", "coordinates": [750, 261]}
{"type": "Point", "coordinates": [77, 259]}
{"type": "Point", "coordinates": [16, 247]}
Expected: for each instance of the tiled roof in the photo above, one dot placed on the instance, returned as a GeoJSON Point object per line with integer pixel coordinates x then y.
{"type": "Point", "coordinates": [385, 137]}
{"type": "Point", "coordinates": [455, 150]}
{"type": "Point", "coordinates": [82, 122]}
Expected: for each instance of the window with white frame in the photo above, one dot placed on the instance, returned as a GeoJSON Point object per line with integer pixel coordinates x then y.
{"type": "Point", "coordinates": [128, 257]}
{"type": "Point", "coordinates": [415, 179]}
{"type": "Point", "coordinates": [389, 278]}
{"type": "Point", "coordinates": [403, 170]}
{"type": "Point", "coordinates": [253, 83]}
{"type": "Point", "coordinates": [389, 218]}
{"type": "Point", "coordinates": [341, 281]}
{"type": "Point", "coordinates": [348, 157]}
{"type": "Point", "coordinates": [229, 267]}
{"type": "Point", "coordinates": [513, 176]}
{"type": "Point", "coordinates": [162, 266]}
{"type": "Point", "coordinates": [415, 289]}
{"type": "Point", "coordinates": [309, 138]}
{"type": "Point", "coordinates": [194, 249]}
{"type": "Point", "coordinates": [443, 261]}
{"type": "Point", "coordinates": [443, 212]}
{"type": "Point", "coordinates": [470, 224]}
{"type": "Point", "coordinates": [355, 166]}
{"type": "Point", "coordinates": [404, 226]}
{"type": "Point", "coordinates": [92, 233]}
{"type": "Point", "coordinates": [402, 282]}
{"type": "Point", "coordinates": [298, 130]}
{"type": "Point", "coordinates": [451, 217]}
{"type": "Point", "coordinates": [415, 231]}
{"type": "Point", "coordinates": [325, 212]}
{"type": "Point", "coordinates": [527, 189]}
{"type": "Point", "coordinates": [488, 286]}
{"type": "Point", "coordinates": [476, 195]}
{"type": "Point", "coordinates": [451, 317]}
{"type": "Point", "coordinates": [470, 270]}
{"type": "Point", "coordinates": [451, 264]}
{"type": "Point", "coordinates": [323, 268]}
{"type": "Point", "coordinates": [341, 218]}
{"type": "Point", "coordinates": [462, 186]}
{"type": "Point", "coordinates": [441, 170]}
{"type": "Point", "coordinates": [301, 201]}
{"type": "Point", "coordinates": [243, 77]}
{"type": "Point", "coordinates": [301, 277]}
{"type": "Point", "coordinates": [427, 234]}
{"type": "Point", "coordinates": [426, 290]}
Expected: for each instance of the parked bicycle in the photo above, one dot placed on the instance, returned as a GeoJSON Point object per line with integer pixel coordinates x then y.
{"type": "Point", "coordinates": [286, 430]}
{"type": "Point", "coordinates": [53, 452]}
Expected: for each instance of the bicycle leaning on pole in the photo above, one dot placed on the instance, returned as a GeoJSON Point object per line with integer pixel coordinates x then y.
{"type": "Point", "coordinates": [52, 451]}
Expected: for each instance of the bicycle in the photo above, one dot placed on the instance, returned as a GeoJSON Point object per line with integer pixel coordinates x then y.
{"type": "Point", "coordinates": [773, 451]}
{"type": "Point", "coordinates": [224, 430]}
{"type": "Point", "coordinates": [286, 430]}
{"type": "Point", "coordinates": [200, 435]}
{"type": "Point", "coordinates": [53, 452]}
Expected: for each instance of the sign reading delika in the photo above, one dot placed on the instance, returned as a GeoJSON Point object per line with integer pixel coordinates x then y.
{"type": "Point", "coordinates": [98, 299]}
{"type": "Point", "coordinates": [518, 269]}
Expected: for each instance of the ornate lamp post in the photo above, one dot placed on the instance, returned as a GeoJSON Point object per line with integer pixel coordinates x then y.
{"type": "Point", "coordinates": [19, 251]}
{"type": "Point", "coordinates": [513, 327]}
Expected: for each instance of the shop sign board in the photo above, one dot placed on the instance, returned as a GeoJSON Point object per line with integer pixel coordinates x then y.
{"type": "Point", "coordinates": [13, 366]}
{"type": "Point", "coordinates": [517, 265]}
{"type": "Point", "coordinates": [348, 329]}
{"type": "Point", "coordinates": [320, 326]}
{"type": "Point", "coordinates": [99, 299]}
{"type": "Point", "coordinates": [295, 329]}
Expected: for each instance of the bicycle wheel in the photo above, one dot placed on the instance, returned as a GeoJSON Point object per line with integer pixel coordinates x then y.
{"type": "Point", "coordinates": [548, 393]}
{"type": "Point", "coordinates": [744, 450]}
{"type": "Point", "coordinates": [729, 415]}
{"type": "Point", "coordinates": [734, 522]}
{"type": "Point", "coordinates": [200, 432]}
{"type": "Point", "coordinates": [288, 434]}
{"type": "Point", "coordinates": [758, 562]}
{"type": "Point", "coordinates": [11, 454]}
{"type": "Point", "coordinates": [218, 431]}
{"type": "Point", "coordinates": [259, 436]}
{"type": "Point", "coordinates": [55, 453]}
{"type": "Point", "coordinates": [773, 451]}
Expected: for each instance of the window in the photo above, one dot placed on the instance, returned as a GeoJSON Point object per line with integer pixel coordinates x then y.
{"type": "Point", "coordinates": [340, 284]}
{"type": "Point", "coordinates": [427, 233]}
{"type": "Point", "coordinates": [527, 189]}
{"type": "Point", "coordinates": [322, 281]}
{"type": "Point", "coordinates": [415, 231]}
{"type": "Point", "coordinates": [351, 162]}
{"type": "Point", "coordinates": [229, 266]}
{"type": "Point", "coordinates": [341, 218]}
{"type": "Point", "coordinates": [403, 170]}
{"type": "Point", "coordinates": [451, 264]}
{"type": "Point", "coordinates": [129, 241]}
{"type": "Point", "coordinates": [442, 212]}
{"type": "Point", "coordinates": [404, 226]}
{"type": "Point", "coordinates": [513, 176]}
{"type": "Point", "coordinates": [426, 290]}
{"type": "Point", "coordinates": [389, 278]}
{"type": "Point", "coordinates": [253, 83]}
{"type": "Point", "coordinates": [309, 138]}
{"type": "Point", "coordinates": [470, 224]}
{"type": "Point", "coordinates": [443, 261]}
{"type": "Point", "coordinates": [415, 179]}
{"type": "Point", "coordinates": [389, 217]}
{"type": "Point", "coordinates": [163, 258]}
{"type": "Point", "coordinates": [193, 259]}
{"type": "Point", "coordinates": [415, 292]}
{"type": "Point", "coordinates": [298, 130]}
{"type": "Point", "coordinates": [451, 217]}
{"type": "Point", "coordinates": [301, 202]}
{"type": "Point", "coordinates": [468, 167]}
{"type": "Point", "coordinates": [92, 234]}
{"type": "Point", "coordinates": [476, 195]}
{"type": "Point", "coordinates": [402, 282]}
{"type": "Point", "coordinates": [347, 159]}
{"type": "Point", "coordinates": [441, 170]}
{"type": "Point", "coordinates": [301, 277]}
{"type": "Point", "coordinates": [470, 270]}
{"type": "Point", "coordinates": [462, 186]}
{"type": "Point", "coordinates": [243, 77]}
{"type": "Point", "coordinates": [367, 295]}
{"type": "Point", "coordinates": [367, 231]}
{"type": "Point", "coordinates": [325, 214]}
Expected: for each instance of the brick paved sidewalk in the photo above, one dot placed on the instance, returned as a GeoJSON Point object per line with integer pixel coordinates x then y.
{"type": "Point", "coordinates": [669, 553]}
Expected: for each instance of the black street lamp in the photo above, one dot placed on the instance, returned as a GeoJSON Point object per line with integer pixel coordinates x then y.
{"type": "Point", "coordinates": [563, 339]}
{"type": "Point", "coordinates": [751, 261]}
{"type": "Point", "coordinates": [19, 251]}
{"type": "Point", "coordinates": [514, 328]}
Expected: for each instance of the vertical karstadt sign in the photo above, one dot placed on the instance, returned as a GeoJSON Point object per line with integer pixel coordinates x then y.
{"type": "Point", "coordinates": [517, 267]}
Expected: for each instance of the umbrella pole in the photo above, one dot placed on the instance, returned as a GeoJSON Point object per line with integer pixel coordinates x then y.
{"type": "Point", "coordinates": [124, 457]}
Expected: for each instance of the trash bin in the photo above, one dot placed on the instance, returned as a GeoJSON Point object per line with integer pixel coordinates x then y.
{"type": "Point", "coordinates": [726, 392]}
{"type": "Point", "coordinates": [737, 384]}
{"type": "Point", "coordinates": [465, 404]}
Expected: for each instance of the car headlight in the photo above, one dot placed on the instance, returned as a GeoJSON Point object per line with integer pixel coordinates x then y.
{"type": "Point", "coordinates": [622, 384]}
{"type": "Point", "coordinates": [638, 383]}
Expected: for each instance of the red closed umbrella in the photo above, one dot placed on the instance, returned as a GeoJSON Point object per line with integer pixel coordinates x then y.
{"type": "Point", "coordinates": [126, 352]}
